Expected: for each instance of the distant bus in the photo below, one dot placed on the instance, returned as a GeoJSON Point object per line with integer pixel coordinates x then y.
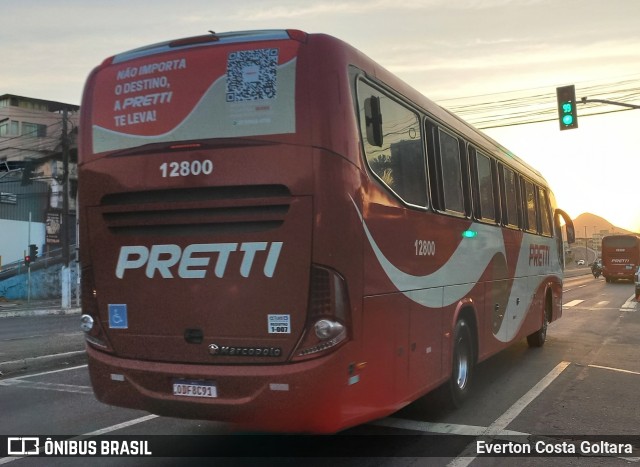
{"type": "Point", "coordinates": [620, 257]}
{"type": "Point", "coordinates": [278, 233]}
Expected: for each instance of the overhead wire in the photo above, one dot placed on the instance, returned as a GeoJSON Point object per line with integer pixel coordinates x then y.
{"type": "Point", "coordinates": [524, 107]}
{"type": "Point", "coordinates": [12, 147]}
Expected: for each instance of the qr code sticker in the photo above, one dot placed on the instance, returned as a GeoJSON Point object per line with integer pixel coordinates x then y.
{"type": "Point", "coordinates": [251, 75]}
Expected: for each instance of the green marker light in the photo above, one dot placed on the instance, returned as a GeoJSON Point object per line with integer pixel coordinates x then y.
{"type": "Point", "coordinates": [469, 234]}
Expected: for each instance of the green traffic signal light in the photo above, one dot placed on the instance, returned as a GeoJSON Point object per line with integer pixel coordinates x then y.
{"type": "Point", "coordinates": [567, 113]}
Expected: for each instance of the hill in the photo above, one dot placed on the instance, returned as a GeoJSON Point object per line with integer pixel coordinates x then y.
{"type": "Point", "coordinates": [595, 225]}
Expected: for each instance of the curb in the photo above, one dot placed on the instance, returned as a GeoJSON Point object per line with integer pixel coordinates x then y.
{"type": "Point", "coordinates": [44, 361]}
{"type": "Point", "coordinates": [38, 312]}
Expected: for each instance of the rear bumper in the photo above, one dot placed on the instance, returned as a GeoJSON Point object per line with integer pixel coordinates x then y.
{"type": "Point", "coordinates": [619, 275]}
{"type": "Point", "coordinates": [300, 397]}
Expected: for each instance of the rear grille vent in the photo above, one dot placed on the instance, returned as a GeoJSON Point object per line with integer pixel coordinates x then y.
{"type": "Point", "coordinates": [196, 194]}
{"type": "Point", "coordinates": [197, 211]}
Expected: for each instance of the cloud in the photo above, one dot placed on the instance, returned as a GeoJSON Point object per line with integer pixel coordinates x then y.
{"type": "Point", "coordinates": [301, 9]}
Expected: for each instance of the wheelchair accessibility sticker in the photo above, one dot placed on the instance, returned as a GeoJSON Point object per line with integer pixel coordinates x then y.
{"type": "Point", "coordinates": [118, 316]}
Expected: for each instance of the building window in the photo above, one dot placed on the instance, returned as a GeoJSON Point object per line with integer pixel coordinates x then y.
{"type": "Point", "coordinates": [9, 128]}
{"type": "Point", "coordinates": [34, 129]}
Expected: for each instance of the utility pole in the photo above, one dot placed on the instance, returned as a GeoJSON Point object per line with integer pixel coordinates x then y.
{"type": "Point", "coordinates": [66, 272]}
{"type": "Point", "coordinates": [29, 265]}
{"type": "Point", "coordinates": [586, 245]}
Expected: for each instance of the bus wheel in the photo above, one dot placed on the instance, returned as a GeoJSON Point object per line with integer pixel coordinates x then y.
{"type": "Point", "coordinates": [462, 370]}
{"type": "Point", "coordinates": [538, 338]}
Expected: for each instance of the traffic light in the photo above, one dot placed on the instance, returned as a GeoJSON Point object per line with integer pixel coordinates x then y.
{"type": "Point", "coordinates": [33, 251]}
{"type": "Point", "coordinates": [27, 260]}
{"type": "Point", "coordinates": [567, 112]}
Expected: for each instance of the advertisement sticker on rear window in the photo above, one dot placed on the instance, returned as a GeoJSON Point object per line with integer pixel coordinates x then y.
{"type": "Point", "coordinates": [200, 93]}
{"type": "Point", "coordinates": [279, 324]}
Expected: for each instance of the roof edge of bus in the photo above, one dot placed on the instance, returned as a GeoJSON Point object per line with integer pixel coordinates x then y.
{"type": "Point", "coordinates": [224, 37]}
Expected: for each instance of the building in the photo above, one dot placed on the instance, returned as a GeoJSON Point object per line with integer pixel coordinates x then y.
{"type": "Point", "coordinates": [33, 138]}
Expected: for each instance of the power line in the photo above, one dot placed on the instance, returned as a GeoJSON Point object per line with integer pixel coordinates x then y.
{"type": "Point", "coordinates": [527, 106]}
{"type": "Point", "coordinates": [12, 148]}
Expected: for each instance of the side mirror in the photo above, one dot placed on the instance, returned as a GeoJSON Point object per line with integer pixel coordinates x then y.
{"type": "Point", "coordinates": [373, 120]}
{"type": "Point", "coordinates": [571, 231]}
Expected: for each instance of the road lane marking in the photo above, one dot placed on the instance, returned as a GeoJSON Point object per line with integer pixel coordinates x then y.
{"type": "Point", "coordinates": [29, 361]}
{"type": "Point", "coordinates": [573, 303]}
{"type": "Point", "coordinates": [606, 302]}
{"type": "Point", "coordinates": [620, 370]}
{"type": "Point", "coordinates": [119, 426]}
{"type": "Point", "coordinates": [20, 381]}
{"type": "Point", "coordinates": [48, 386]}
{"type": "Point", "coordinates": [46, 372]}
{"type": "Point", "coordinates": [442, 428]}
{"type": "Point", "coordinates": [467, 456]}
{"type": "Point", "coordinates": [630, 304]}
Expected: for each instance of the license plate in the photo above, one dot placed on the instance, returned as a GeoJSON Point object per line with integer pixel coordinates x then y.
{"type": "Point", "coordinates": [185, 388]}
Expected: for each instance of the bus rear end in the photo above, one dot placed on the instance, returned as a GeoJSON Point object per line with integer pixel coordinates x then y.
{"type": "Point", "coordinates": [204, 294]}
{"type": "Point", "coordinates": [620, 257]}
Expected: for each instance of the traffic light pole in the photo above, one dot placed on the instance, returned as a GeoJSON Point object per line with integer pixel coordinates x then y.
{"type": "Point", "coordinates": [586, 100]}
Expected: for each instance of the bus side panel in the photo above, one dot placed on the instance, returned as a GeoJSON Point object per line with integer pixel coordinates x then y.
{"type": "Point", "coordinates": [404, 349]}
{"type": "Point", "coordinates": [426, 342]}
{"type": "Point", "coordinates": [385, 327]}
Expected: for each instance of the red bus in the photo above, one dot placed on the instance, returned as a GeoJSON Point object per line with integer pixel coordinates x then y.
{"type": "Point", "coordinates": [620, 257]}
{"type": "Point", "coordinates": [278, 233]}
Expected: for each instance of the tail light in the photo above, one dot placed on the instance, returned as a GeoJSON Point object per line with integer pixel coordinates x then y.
{"type": "Point", "coordinates": [328, 323]}
{"type": "Point", "coordinates": [90, 320]}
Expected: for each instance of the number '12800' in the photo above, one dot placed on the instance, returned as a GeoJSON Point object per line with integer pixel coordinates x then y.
{"type": "Point", "coordinates": [186, 168]}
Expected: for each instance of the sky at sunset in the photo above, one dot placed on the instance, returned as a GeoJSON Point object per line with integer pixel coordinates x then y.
{"type": "Point", "coordinates": [457, 52]}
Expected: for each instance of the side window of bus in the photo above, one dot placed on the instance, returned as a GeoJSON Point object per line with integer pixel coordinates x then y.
{"type": "Point", "coordinates": [529, 200]}
{"type": "Point", "coordinates": [545, 212]}
{"type": "Point", "coordinates": [393, 144]}
{"type": "Point", "coordinates": [484, 186]}
{"type": "Point", "coordinates": [511, 197]}
{"type": "Point", "coordinates": [451, 172]}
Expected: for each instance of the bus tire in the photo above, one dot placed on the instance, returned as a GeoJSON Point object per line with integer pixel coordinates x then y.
{"type": "Point", "coordinates": [462, 366]}
{"type": "Point", "coordinates": [538, 338]}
